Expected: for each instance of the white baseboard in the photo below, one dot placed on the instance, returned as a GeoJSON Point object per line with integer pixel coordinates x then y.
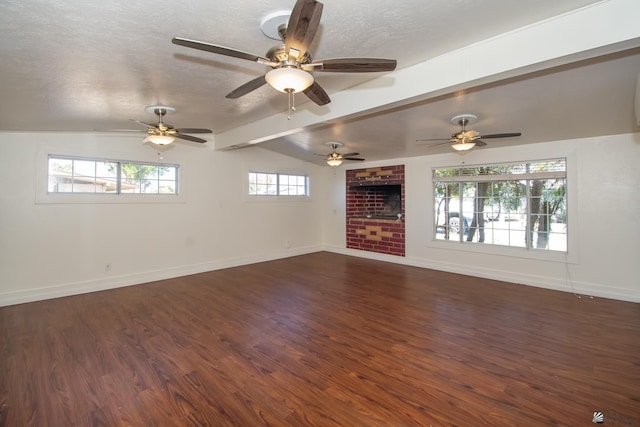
{"type": "Point", "coordinates": [76, 288]}
{"type": "Point", "coordinates": [553, 283]}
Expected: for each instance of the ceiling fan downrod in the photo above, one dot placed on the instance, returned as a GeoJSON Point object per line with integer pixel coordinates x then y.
{"type": "Point", "coordinates": [160, 112]}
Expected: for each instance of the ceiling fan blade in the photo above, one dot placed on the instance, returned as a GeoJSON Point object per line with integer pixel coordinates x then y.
{"type": "Point", "coordinates": [317, 94]}
{"type": "Point", "coordinates": [354, 65]}
{"type": "Point", "coordinates": [353, 158]}
{"type": "Point", "coordinates": [439, 144]}
{"type": "Point", "coordinates": [501, 135]}
{"type": "Point", "coordinates": [194, 130]}
{"type": "Point", "coordinates": [480, 143]}
{"type": "Point", "coordinates": [155, 126]}
{"type": "Point", "coordinates": [302, 27]}
{"type": "Point", "coordinates": [189, 138]}
{"type": "Point", "coordinates": [221, 50]}
{"type": "Point", "coordinates": [433, 139]}
{"type": "Point", "coordinates": [247, 87]}
{"type": "Point", "coordinates": [120, 130]}
{"type": "Point", "coordinates": [349, 154]}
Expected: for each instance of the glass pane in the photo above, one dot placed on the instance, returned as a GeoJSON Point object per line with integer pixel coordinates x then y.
{"type": "Point", "coordinates": [448, 222]}
{"type": "Point", "coordinates": [107, 169]}
{"type": "Point", "coordinates": [130, 173]}
{"type": "Point", "coordinates": [106, 177]}
{"type": "Point", "coordinates": [252, 183]}
{"type": "Point", "coordinates": [149, 172]}
{"type": "Point", "coordinates": [60, 177]}
{"type": "Point", "coordinates": [84, 176]}
{"type": "Point", "coordinates": [167, 172]}
{"type": "Point", "coordinates": [129, 187]}
{"type": "Point", "coordinates": [149, 186]}
{"type": "Point", "coordinates": [84, 168]}
{"type": "Point", "coordinates": [130, 178]}
{"type": "Point", "coordinates": [166, 187]}
{"type": "Point", "coordinates": [149, 179]}
{"type": "Point", "coordinates": [437, 173]}
{"type": "Point", "coordinates": [60, 165]}
{"type": "Point", "coordinates": [548, 228]}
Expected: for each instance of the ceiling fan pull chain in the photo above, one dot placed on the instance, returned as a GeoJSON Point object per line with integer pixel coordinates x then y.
{"type": "Point", "coordinates": [292, 106]}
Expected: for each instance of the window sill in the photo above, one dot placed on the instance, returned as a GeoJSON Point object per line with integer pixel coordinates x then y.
{"type": "Point", "coordinates": [100, 198]}
{"type": "Point", "coordinates": [505, 251]}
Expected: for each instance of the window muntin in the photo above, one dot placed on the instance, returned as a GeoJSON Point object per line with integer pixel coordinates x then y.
{"type": "Point", "coordinates": [99, 176]}
{"type": "Point", "coordinates": [276, 184]}
{"type": "Point", "coordinates": [517, 205]}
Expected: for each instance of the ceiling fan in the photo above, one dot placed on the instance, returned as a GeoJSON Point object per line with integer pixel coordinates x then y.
{"type": "Point", "coordinates": [291, 61]}
{"type": "Point", "coordinates": [467, 139]}
{"type": "Point", "coordinates": [164, 134]}
{"type": "Point", "coordinates": [335, 159]}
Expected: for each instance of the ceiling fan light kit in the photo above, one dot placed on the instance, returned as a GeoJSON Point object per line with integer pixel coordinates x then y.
{"type": "Point", "coordinates": [463, 146]}
{"type": "Point", "coordinates": [160, 139]}
{"type": "Point", "coordinates": [335, 162]}
{"type": "Point", "coordinates": [289, 79]}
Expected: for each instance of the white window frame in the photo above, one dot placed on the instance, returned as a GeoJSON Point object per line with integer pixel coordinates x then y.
{"type": "Point", "coordinates": [277, 179]}
{"type": "Point", "coordinates": [43, 196]}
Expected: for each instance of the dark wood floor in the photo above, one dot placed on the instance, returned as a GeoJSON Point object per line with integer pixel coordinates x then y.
{"type": "Point", "coordinates": [323, 340]}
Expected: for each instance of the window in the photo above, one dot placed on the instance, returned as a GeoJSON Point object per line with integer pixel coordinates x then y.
{"type": "Point", "coordinates": [80, 175]}
{"type": "Point", "coordinates": [276, 184]}
{"type": "Point", "coordinates": [517, 205]}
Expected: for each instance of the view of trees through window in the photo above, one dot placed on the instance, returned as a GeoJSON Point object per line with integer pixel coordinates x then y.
{"type": "Point", "coordinates": [76, 175]}
{"type": "Point", "coordinates": [520, 205]}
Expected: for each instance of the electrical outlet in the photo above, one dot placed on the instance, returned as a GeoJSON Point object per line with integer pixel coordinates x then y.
{"type": "Point", "coordinates": [107, 267]}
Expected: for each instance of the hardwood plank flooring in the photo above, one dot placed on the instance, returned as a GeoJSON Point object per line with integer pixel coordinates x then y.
{"type": "Point", "coordinates": [320, 340]}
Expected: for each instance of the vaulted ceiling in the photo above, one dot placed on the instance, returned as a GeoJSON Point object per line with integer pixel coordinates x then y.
{"type": "Point", "coordinates": [551, 70]}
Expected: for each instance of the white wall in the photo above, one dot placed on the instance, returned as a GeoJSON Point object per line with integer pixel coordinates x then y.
{"type": "Point", "coordinates": [55, 249]}
{"type": "Point", "coordinates": [52, 249]}
{"type": "Point", "coordinates": [604, 230]}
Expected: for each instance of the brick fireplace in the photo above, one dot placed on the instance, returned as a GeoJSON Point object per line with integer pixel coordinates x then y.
{"type": "Point", "coordinates": [375, 210]}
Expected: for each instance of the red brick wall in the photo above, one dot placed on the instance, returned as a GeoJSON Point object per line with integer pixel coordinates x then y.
{"type": "Point", "coordinates": [383, 236]}
{"type": "Point", "coordinates": [364, 194]}
{"type": "Point", "coordinates": [376, 176]}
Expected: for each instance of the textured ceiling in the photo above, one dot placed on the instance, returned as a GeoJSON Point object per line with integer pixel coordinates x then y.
{"type": "Point", "coordinates": [92, 65]}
